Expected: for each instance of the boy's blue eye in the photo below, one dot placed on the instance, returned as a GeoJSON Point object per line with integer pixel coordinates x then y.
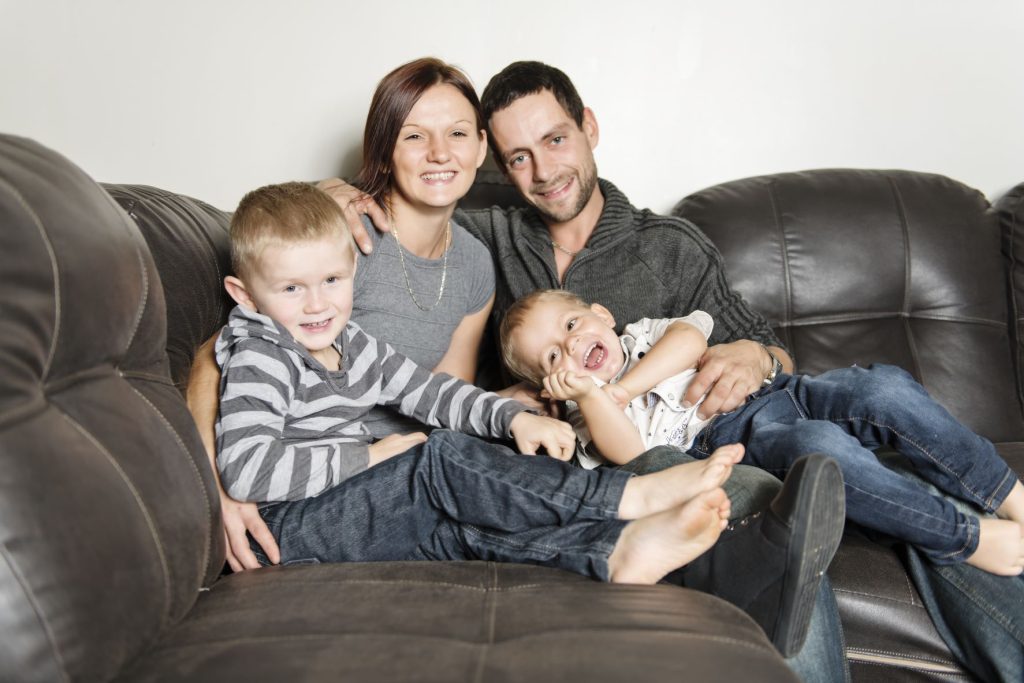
{"type": "Point", "coordinates": [332, 279]}
{"type": "Point", "coordinates": [290, 288]}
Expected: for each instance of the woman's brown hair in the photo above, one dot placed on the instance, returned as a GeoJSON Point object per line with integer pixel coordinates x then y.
{"type": "Point", "coordinates": [396, 95]}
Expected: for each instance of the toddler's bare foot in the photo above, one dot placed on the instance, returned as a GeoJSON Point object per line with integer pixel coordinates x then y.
{"type": "Point", "coordinates": [651, 493]}
{"type": "Point", "coordinates": [651, 547]}
{"type": "Point", "coordinates": [1013, 506]}
{"type": "Point", "coordinates": [1000, 548]}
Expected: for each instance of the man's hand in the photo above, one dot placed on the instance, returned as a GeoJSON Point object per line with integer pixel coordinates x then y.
{"type": "Point", "coordinates": [530, 396]}
{"type": "Point", "coordinates": [618, 394]}
{"type": "Point", "coordinates": [568, 386]}
{"type": "Point", "coordinates": [354, 203]}
{"type": "Point", "coordinates": [532, 431]}
{"type": "Point", "coordinates": [731, 372]}
{"type": "Point", "coordinates": [393, 444]}
{"type": "Point", "coordinates": [241, 517]}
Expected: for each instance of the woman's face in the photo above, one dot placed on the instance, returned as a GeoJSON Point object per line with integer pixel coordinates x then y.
{"type": "Point", "coordinates": [438, 151]}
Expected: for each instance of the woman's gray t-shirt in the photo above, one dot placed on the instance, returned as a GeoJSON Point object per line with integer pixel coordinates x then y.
{"type": "Point", "coordinates": [382, 305]}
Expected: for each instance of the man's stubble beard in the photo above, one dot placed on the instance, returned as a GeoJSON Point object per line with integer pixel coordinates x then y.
{"type": "Point", "coordinates": [587, 179]}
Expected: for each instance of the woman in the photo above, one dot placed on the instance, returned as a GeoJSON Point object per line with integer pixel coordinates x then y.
{"type": "Point", "coordinates": [428, 286]}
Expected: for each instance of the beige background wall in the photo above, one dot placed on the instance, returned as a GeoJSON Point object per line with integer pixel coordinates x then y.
{"type": "Point", "coordinates": [213, 97]}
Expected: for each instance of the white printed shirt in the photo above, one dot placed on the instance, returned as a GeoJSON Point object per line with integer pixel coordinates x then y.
{"type": "Point", "coordinates": [658, 415]}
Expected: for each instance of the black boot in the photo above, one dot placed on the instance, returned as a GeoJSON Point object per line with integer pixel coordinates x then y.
{"type": "Point", "coordinates": [770, 564]}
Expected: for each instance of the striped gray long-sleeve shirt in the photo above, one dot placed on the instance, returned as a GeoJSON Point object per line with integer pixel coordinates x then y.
{"type": "Point", "coordinates": [290, 429]}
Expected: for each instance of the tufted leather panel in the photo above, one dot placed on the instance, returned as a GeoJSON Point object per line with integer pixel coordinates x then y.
{"type": "Point", "coordinates": [855, 266]}
{"type": "Point", "coordinates": [93, 435]}
{"type": "Point", "coordinates": [189, 242]}
{"type": "Point", "coordinates": [1010, 208]}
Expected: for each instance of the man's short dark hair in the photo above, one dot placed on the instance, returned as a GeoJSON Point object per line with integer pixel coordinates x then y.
{"type": "Point", "coordinates": [520, 79]}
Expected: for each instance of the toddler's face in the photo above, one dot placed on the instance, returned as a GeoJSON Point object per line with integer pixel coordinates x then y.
{"type": "Point", "coordinates": [307, 287]}
{"type": "Point", "coordinates": [558, 335]}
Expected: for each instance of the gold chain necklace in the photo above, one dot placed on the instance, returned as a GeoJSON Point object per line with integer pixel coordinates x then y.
{"type": "Point", "coordinates": [562, 249]}
{"type": "Point", "coordinates": [444, 265]}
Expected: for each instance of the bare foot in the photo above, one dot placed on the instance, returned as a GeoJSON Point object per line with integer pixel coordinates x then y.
{"type": "Point", "coordinates": [651, 547]}
{"type": "Point", "coordinates": [1000, 548]}
{"type": "Point", "coordinates": [651, 493]}
{"type": "Point", "coordinates": [1013, 506]}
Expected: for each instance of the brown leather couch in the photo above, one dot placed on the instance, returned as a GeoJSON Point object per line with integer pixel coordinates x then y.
{"type": "Point", "coordinates": [110, 543]}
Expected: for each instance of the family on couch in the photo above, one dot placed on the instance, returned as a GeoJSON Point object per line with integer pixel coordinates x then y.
{"type": "Point", "coordinates": [424, 141]}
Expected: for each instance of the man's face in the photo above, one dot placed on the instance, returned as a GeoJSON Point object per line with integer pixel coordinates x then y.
{"type": "Point", "coordinates": [557, 335]}
{"type": "Point", "coordinates": [546, 155]}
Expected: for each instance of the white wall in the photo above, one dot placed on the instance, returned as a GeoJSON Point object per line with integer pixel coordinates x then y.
{"type": "Point", "coordinates": [213, 97]}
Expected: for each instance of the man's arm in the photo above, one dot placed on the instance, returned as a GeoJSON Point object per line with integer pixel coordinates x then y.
{"type": "Point", "coordinates": [733, 371]}
{"type": "Point", "coordinates": [203, 395]}
{"type": "Point", "coordinates": [736, 367]}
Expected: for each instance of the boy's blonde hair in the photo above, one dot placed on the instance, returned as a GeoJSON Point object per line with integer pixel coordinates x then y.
{"type": "Point", "coordinates": [282, 214]}
{"type": "Point", "coordinates": [514, 318]}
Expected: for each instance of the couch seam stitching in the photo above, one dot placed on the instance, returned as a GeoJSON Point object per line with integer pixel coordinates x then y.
{"type": "Point", "coordinates": [44, 235]}
{"type": "Point", "coordinates": [30, 595]}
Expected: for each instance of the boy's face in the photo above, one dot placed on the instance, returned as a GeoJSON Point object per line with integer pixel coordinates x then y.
{"type": "Point", "coordinates": [558, 335]}
{"type": "Point", "coordinates": [305, 286]}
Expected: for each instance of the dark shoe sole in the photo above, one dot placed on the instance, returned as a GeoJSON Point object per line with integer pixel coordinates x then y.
{"type": "Point", "coordinates": [818, 517]}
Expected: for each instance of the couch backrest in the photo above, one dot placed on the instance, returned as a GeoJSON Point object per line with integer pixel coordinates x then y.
{"type": "Point", "coordinates": [109, 522]}
{"type": "Point", "coordinates": [1010, 208]}
{"type": "Point", "coordinates": [189, 242]}
{"type": "Point", "coordinates": [861, 266]}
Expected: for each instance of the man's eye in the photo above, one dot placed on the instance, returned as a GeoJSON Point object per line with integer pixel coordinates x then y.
{"type": "Point", "coordinates": [459, 133]}
{"type": "Point", "coordinates": [517, 161]}
{"type": "Point", "coordinates": [558, 139]}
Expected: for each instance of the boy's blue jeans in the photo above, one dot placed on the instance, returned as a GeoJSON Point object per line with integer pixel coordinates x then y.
{"type": "Point", "coordinates": [456, 497]}
{"type": "Point", "coordinates": [847, 412]}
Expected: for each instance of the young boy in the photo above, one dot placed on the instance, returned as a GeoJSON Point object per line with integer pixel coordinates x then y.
{"type": "Point", "coordinates": [624, 395]}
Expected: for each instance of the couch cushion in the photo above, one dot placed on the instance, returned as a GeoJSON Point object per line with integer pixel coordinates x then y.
{"type": "Point", "coordinates": [855, 266]}
{"type": "Point", "coordinates": [456, 621]}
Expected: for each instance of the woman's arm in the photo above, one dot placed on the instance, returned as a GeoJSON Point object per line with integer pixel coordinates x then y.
{"type": "Point", "coordinates": [203, 397]}
{"type": "Point", "coordinates": [463, 352]}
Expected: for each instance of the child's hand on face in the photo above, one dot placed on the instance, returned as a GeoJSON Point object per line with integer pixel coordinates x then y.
{"type": "Point", "coordinates": [568, 386]}
{"type": "Point", "coordinates": [532, 431]}
{"type": "Point", "coordinates": [617, 393]}
{"type": "Point", "coordinates": [393, 444]}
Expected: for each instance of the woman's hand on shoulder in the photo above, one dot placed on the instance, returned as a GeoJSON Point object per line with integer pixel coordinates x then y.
{"type": "Point", "coordinates": [354, 203]}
